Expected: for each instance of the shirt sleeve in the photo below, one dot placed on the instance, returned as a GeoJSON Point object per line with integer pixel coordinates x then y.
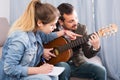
{"type": "Point", "coordinates": [47, 37]}
{"type": "Point", "coordinates": [13, 57]}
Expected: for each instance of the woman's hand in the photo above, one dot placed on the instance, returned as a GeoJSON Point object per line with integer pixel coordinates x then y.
{"type": "Point", "coordinates": [72, 35]}
{"type": "Point", "coordinates": [68, 33]}
{"type": "Point", "coordinates": [47, 54]}
{"type": "Point", "coordinates": [45, 68]}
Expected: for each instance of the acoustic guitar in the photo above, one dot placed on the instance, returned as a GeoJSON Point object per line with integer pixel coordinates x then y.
{"type": "Point", "coordinates": [62, 48]}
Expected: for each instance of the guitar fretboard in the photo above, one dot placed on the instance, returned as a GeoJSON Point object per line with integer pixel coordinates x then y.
{"type": "Point", "coordinates": [73, 44]}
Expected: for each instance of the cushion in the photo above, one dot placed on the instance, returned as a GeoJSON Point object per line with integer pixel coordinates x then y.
{"type": "Point", "coordinates": [4, 27]}
{"type": "Point", "coordinates": [95, 60]}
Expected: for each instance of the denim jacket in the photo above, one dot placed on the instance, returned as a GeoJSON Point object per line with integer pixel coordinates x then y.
{"type": "Point", "coordinates": [20, 51]}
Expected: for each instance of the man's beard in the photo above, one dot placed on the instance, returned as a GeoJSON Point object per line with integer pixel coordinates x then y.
{"type": "Point", "coordinates": [74, 27]}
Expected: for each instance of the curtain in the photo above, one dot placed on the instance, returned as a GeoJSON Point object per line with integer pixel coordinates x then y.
{"type": "Point", "coordinates": [107, 12]}
{"type": "Point", "coordinates": [17, 7]}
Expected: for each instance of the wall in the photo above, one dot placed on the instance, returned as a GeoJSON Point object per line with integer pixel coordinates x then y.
{"type": "Point", "coordinates": [5, 9]}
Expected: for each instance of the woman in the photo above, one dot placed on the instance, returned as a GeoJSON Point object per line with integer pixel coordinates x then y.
{"type": "Point", "coordinates": [23, 48]}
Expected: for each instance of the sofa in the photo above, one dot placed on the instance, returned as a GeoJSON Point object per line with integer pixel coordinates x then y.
{"type": "Point", "coordinates": [4, 27]}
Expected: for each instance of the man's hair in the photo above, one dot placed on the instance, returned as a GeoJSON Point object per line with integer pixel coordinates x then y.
{"type": "Point", "coordinates": [65, 8]}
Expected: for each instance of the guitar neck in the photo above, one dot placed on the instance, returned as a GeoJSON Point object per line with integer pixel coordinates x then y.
{"type": "Point", "coordinates": [74, 43]}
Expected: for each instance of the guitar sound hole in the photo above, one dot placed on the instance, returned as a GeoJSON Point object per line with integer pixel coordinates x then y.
{"type": "Point", "coordinates": [56, 52]}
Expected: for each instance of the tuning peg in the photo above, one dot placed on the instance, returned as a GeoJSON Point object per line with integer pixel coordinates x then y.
{"type": "Point", "coordinates": [104, 34]}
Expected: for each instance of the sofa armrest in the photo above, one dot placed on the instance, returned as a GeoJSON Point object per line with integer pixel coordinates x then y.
{"type": "Point", "coordinates": [95, 59]}
{"type": "Point", "coordinates": [4, 27]}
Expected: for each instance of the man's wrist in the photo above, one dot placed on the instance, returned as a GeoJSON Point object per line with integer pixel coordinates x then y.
{"type": "Point", "coordinates": [94, 49]}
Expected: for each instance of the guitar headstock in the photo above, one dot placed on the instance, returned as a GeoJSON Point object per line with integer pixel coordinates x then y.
{"type": "Point", "coordinates": [112, 28]}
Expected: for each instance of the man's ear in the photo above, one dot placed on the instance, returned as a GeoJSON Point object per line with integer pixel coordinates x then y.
{"type": "Point", "coordinates": [60, 22]}
{"type": "Point", "coordinates": [39, 23]}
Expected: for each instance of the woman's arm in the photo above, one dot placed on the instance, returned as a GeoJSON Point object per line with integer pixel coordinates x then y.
{"type": "Point", "coordinates": [13, 57]}
{"type": "Point", "coordinates": [68, 33]}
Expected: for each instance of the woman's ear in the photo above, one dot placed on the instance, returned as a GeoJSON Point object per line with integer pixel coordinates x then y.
{"type": "Point", "coordinates": [39, 23]}
{"type": "Point", "coordinates": [60, 22]}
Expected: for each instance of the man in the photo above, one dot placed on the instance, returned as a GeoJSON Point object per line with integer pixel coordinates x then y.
{"type": "Point", "coordinates": [79, 67]}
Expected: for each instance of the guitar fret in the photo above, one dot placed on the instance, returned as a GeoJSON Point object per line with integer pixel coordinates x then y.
{"type": "Point", "coordinates": [73, 43]}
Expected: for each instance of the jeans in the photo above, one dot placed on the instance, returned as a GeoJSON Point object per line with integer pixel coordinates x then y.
{"type": "Point", "coordinates": [39, 77]}
{"type": "Point", "coordinates": [65, 75]}
{"type": "Point", "coordinates": [88, 70]}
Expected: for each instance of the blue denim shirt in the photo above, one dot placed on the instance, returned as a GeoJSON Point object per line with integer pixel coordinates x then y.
{"type": "Point", "coordinates": [20, 51]}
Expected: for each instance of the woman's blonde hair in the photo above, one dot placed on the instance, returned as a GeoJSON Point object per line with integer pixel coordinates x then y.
{"type": "Point", "coordinates": [34, 12]}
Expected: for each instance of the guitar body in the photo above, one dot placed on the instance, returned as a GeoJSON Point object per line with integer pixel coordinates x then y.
{"type": "Point", "coordinates": [61, 57]}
